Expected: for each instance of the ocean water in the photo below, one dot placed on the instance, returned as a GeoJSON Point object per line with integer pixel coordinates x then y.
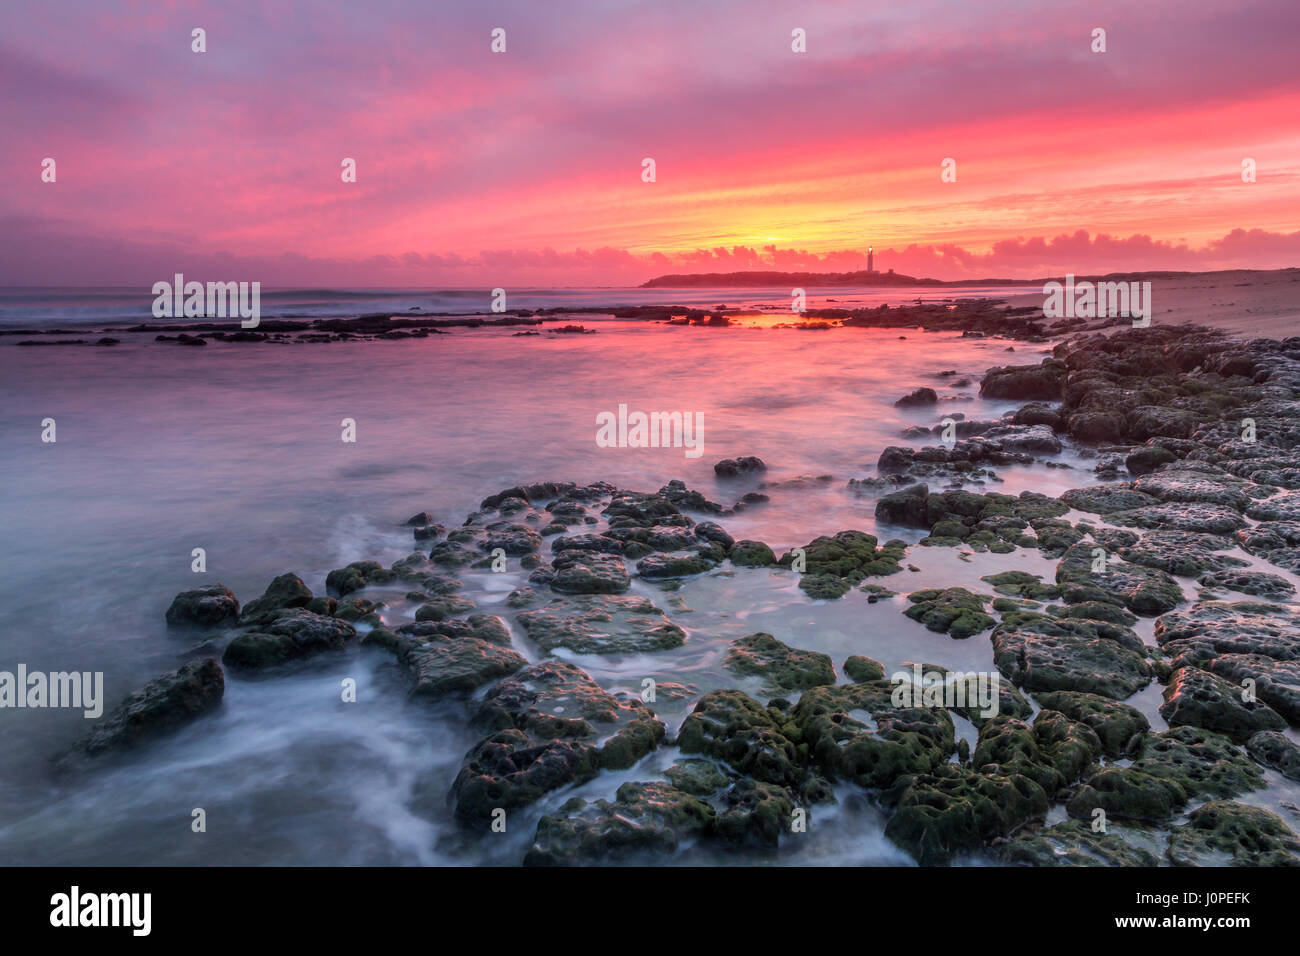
{"type": "Point", "coordinates": [37, 308]}
{"type": "Point", "coordinates": [236, 448]}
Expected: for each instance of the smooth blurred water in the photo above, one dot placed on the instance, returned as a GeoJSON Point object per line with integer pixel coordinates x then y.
{"type": "Point", "coordinates": [236, 449]}
{"type": "Point", "coordinates": [38, 307]}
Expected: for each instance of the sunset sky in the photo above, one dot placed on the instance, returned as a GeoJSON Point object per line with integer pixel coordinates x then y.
{"type": "Point", "coordinates": [525, 167]}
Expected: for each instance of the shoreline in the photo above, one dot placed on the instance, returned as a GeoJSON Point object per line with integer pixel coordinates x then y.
{"type": "Point", "coordinates": [1187, 498]}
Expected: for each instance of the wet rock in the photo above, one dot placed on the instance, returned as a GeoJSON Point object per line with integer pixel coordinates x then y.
{"type": "Point", "coordinates": [293, 634]}
{"type": "Point", "coordinates": [1115, 724]}
{"type": "Point", "coordinates": [1177, 516]}
{"type": "Point", "coordinates": [1052, 753]}
{"type": "Point", "coordinates": [1150, 421]}
{"type": "Point", "coordinates": [834, 565]}
{"type": "Point", "coordinates": [1095, 611]}
{"type": "Point", "coordinates": [712, 531]}
{"type": "Point", "coordinates": [1044, 382]}
{"type": "Point", "coordinates": [1047, 654]}
{"type": "Point", "coordinates": [460, 665]}
{"type": "Point", "coordinates": [921, 396]}
{"type": "Point", "coordinates": [856, 732]}
{"type": "Point", "coordinates": [1188, 485]}
{"type": "Point", "coordinates": [1106, 499]}
{"type": "Point", "coordinates": [1039, 413]}
{"type": "Point", "coordinates": [286, 591]}
{"type": "Point", "coordinates": [440, 608]}
{"type": "Point", "coordinates": [752, 554]}
{"type": "Point", "coordinates": [1276, 682]}
{"type": "Point", "coordinates": [755, 814]}
{"type": "Point", "coordinates": [645, 820]}
{"type": "Point", "coordinates": [755, 740]}
{"type": "Point", "coordinates": [1073, 843]}
{"type": "Point", "coordinates": [1282, 507]}
{"type": "Point", "coordinates": [1022, 584]}
{"type": "Point", "coordinates": [483, 627]}
{"type": "Point", "coordinates": [1203, 763]}
{"type": "Point", "coordinates": [1224, 833]}
{"type": "Point", "coordinates": [1147, 459]}
{"type": "Point", "coordinates": [781, 667]}
{"type": "Point", "coordinates": [1224, 627]}
{"type": "Point", "coordinates": [1276, 751]}
{"type": "Point", "coordinates": [601, 543]}
{"type": "Point", "coordinates": [516, 540]}
{"type": "Point", "coordinates": [955, 811]}
{"type": "Point", "coordinates": [908, 507]}
{"type": "Point", "coordinates": [732, 467]}
{"type": "Point", "coordinates": [1199, 699]}
{"type": "Point", "coordinates": [1259, 583]}
{"type": "Point", "coordinates": [589, 572]}
{"type": "Point", "coordinates": [203, 607]}
{"type": "Point", "coordinates": [1142, 590]}
{"type": "Point", "coordinates": [861, 669]}
{"type": "Point", "coordinates": [550, 720]}
{"type": "Point", "coordinates": [358, 575]}
{"type": "Point", "coordinates": [696, 776]}
{"type": "Point", "coordinates": [602, 624]}
{"type": "Point", "coordinates": [1125, 793]}
{"type": "Point", "coordinates": [350, 609]}
{"type": "Point", "coordinates": [1096, 425]}
{"type": "Point", "coordinates": [161, 706]}
{"type": "Point", "coordinates": [953, 611]}
{"type": "Point", "coordinates": [1241, 641]}
{"type": "Point", "coordinates": [1184, 553]}
{"type": "Point", "coordinates": [673, 566]}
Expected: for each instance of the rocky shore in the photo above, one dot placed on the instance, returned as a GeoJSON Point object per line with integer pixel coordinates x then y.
{"type": "Point", "coordinates": [1195, 526]}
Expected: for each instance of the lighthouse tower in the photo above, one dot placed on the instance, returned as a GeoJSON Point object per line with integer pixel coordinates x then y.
{"type": "Point", "coordinates": [870, 259]}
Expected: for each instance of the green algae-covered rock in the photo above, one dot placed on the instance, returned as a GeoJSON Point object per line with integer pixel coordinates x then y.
{"type": "Point", "coordinates": [953, 611]}
{"type": "Point", "coordinates": [954, 811]}
{"type": "Point", "coordinates": [1224, 833]}
{"type": "Point", "coordinates": [782, 667]}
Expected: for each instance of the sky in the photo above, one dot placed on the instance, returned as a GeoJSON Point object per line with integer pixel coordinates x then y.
{"type": "Point", "coordinates": [526, 167]}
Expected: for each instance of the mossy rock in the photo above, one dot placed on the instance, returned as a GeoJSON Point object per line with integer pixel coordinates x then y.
{"type": "Point", "coordinates": [1224, 833]}
{"type": "Point", "coordinates": [855, 732]}
{"type": "Point", "coordinates": [1124, 793]}
{"type": "Point", "coordinates": [754, 814]}
{"type": "Point", "coordinates": [645, 820]}
{"type": "Point", "coordinates": [752, 554]}
{"type": "Point", "coordinates": [860, 669]}
{"type": "Point", "coordinates": [1205, 764]}
{"type": "Point", "coordinates": [696, 776]}
{"type": "Point", "coordinates": [759, 741]}
{"type": "Point", "coordinates": [954, 611]}
{"type": "Point", "coordinates": [287, 590]}
{"type": "Point", "coordinates": [780, 666]}
{"type": "Point", "coordinates": [443, 607]}
{"type": "Point", "coordinates": [1116, 724]}
{"type": "Point", "coordinates": [955, 811]}
{"type": "Point", "coordinates": [1073, 843]}
{"type": "Point", "coordinates": [1022, 584]}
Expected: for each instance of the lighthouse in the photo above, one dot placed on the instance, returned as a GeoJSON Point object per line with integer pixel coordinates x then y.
{"type": "Point", "coordinates": [870, 258]}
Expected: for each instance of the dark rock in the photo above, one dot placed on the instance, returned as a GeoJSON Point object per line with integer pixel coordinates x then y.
{"type": "Point", "coordinates": [286, 591]}
{"type": "Point", "coordinates": [732, 467]}
{"type": "Point", "coordinates": [162, 705]}
{"type": "Point", "coordinates": [922, 396]}
{"type": "Point", "coordinates": [782, 667]}
{"type": "Point", "coordinates": [203, 607]}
